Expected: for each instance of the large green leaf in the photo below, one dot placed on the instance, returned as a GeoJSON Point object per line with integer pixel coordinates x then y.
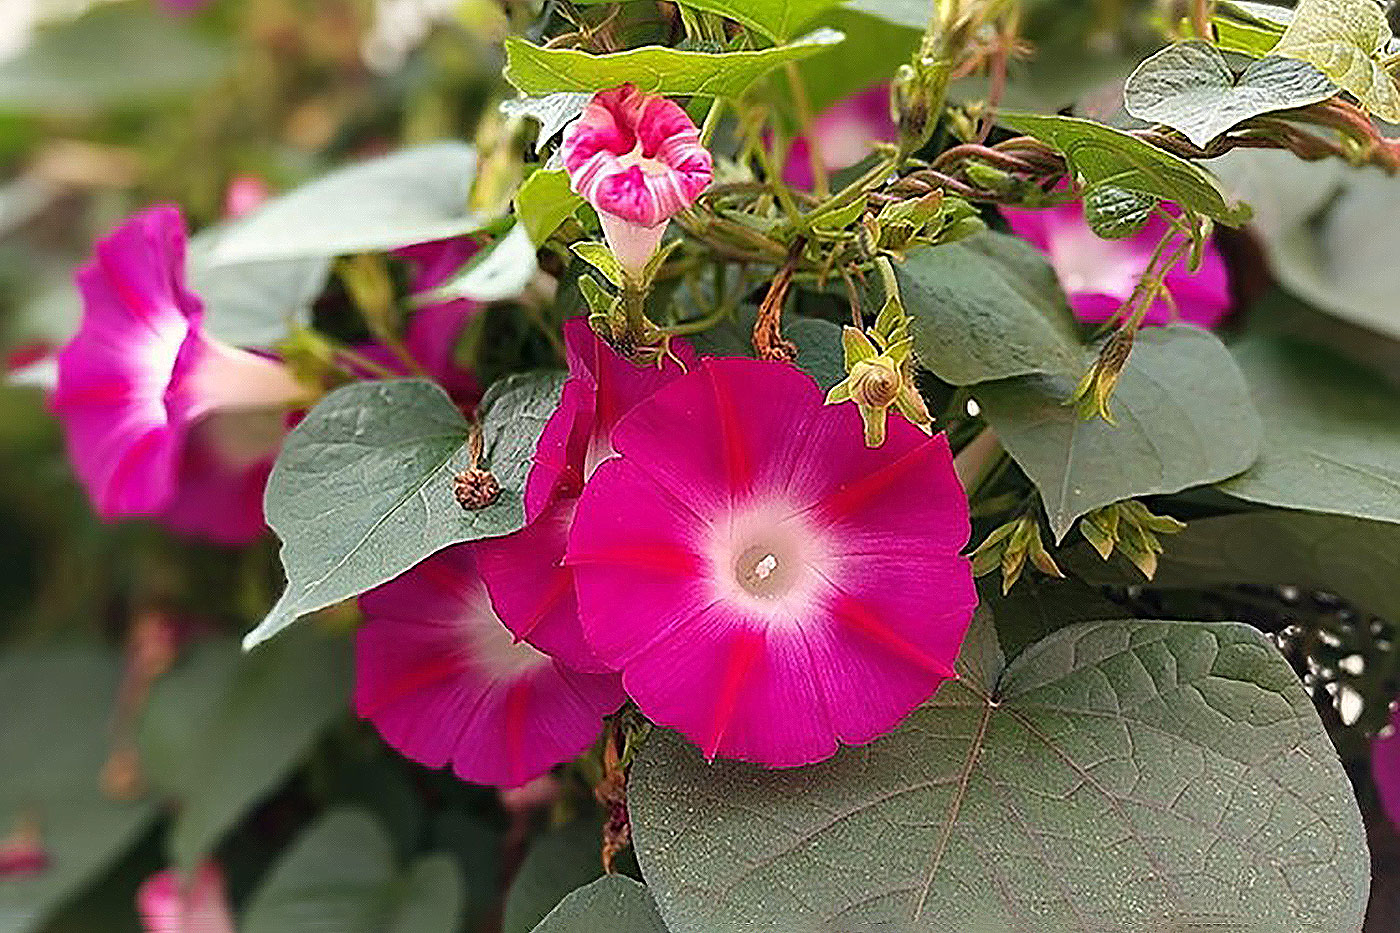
{"type": "Point", "coordinates": [987, 307]}
{"type": "Point", "coordinates": [224, 729]}
{"type": "Point", "coordinates": [1131, 776]}
{"type": "Point", "coordinates": [777, 19]}
{"type": "Point", "coordinates": [544, 202]}
{"type": "Point", "coordinates": [1347, 40]}
{"type": "Point", "coordinates": [255, 304]}
{"type": "Point", "coordinates": [55, 735]}
{"type": "Point", "coordinates": [340, 875]}
{"type": "Point", "coordinates": [1189, 86]}
{"type": "Point", "coordinates": [537, 70]}
{"type": "Point", "coordinates": [560, 860]}
{"type": "Point", "coordinates": [819, 352]}
{"type": "Point", "coordinates": [415, 195]}
{"type": "Point", "coordinates": [1184, 418]}
{"type": "Point", "coordinates": [1356, 559]}
{"type": "Point", "coordinates": [117, 53]}
{"type": "Point", "coordinates": [363, 488]}
{"type": "Point", "coordinates": [872, 50]}
{"type": "Point", "coordinates": [1106, 156]}
{"type": "Point", "coordinates": [612, 904]}
{"type": "Point", "coordinates": [1331, 433]}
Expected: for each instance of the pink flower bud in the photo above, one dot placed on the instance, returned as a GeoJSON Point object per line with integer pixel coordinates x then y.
{"type": "Point", "coordinates": [638, 160]}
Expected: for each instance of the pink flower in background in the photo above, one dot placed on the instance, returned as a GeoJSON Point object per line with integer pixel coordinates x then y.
{"type": "Point", "coordinates": [638, 160]}
{"type": "Point", "coordinates": [140, 373]}
{"type": "Point", "coordinates": [1385, 768]}
{"type": "Point", "coordinates": [530, 585]}
{"type": "Point", "coordinates": [170, 903]}
{"type": "Point", "coordinates": [766, 583]}
{"type": "Point", "coordinates": [843, 134]}
{"type": "Point", "coordinates": [445, 682]}
{"type": "Point", "coordinates": [246, 193]}
{"type": "Point", "coordinates": [1098, 275]}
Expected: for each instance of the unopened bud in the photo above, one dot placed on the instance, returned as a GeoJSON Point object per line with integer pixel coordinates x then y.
{"type": "Point", "coordinates": [875, 382]}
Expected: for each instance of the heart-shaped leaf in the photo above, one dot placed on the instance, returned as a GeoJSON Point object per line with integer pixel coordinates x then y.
{"type": "Point", "coordinates": [1347, 40]}
{"type": "Point", "coordinates": [1331, 433]}
{"type": "Point", "coordinates": [1131, 776]}
{"type": "Point", "coordinates": [1184, 418]}
{"type": "Point", "coordinates": [777, 19]}
{"type": "Point", "coordinates": [534, 69]}
{"type": "Point", "coordinates": [1190, 87]}
{"type": "Point", "coordinates": [1105, 156]}
{"type": "Point", "coordinates": [363, 487]}
{"type": "Point", "coordinates": [614, 903]}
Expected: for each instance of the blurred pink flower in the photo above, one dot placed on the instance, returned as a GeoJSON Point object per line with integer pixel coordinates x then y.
{"type": "Point", "coordinates": [170, 903]}
{"type": "Point", "coordinates": [1385, 768]}
{"type": "Point", "coordinates": [638, 160]}
{"type": "Point", "coordinates": [141, 373]}
{"type": "Point", "coordinates": [246, 193]}
{"type": "Point", "coordinates": [844, 133]}
{"type": "Point", "coordinates": [1098, 275]}
{"type": "Point", "coordinates": [531, 587]}
{"type": "Point", "coordinates": [444, 681]}
{"type": "Point", "coordinates": [767, 584]}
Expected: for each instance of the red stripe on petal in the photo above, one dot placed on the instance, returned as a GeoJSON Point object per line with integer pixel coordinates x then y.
{"type": "Point", "coordinates": [420, 678]}
{"type": "Point", "coordinates": [848, 499]}
{"type": "Point", "coordinates": [558, 589]}
{"type": "Point", "coordinates": [517, 716]}
{"type": "Point", "coordinates": [861, 619]}
{"type": "Point", "coordinates": [737, 464]}
{"type": "Point", "coordinates": [660, 558]}
{"type": "Point", "coordinates": [744, 651]}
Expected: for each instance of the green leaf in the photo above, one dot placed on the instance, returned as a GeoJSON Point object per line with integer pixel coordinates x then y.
{"type": "Point", "coordinates": [223, 730]}
{"type": "Point", "coordinates": [499, 274]}
{"type": "Point", "coordinates": [362, 489]}
{"type": "Point", "coordinates": [255, 304]}
{"type": "Point", "coordinates": [1116, 213]}
{"type": "Point", "coordinates": [1184, 419]}
{"type": "Point", "coordinates": [415, 195]}
{"type": "Point", "coordinates": [1133, 776]}
{"type": "Point", "coordinates": [1105, 156]}
{"type": "Point", "coordinates": [987, 307]}
{"type": "Point", "coordinates": [1347, 40]}
{"type": "Point", "coordinates": [1190, 87]}
{"type": "Point", "coordinates": [612, 904]}
{"type": "Point", "coordinates": [55, 735]}
{"type": "Point", "coordinates": [1356, 559]}
{"type": "Point", "coordinates": [561, 859]}
{"type": "Point", "coordinates": [1249, 28]}
{"type": "Point", "coordinates": [544, 202]}
{"type": "Point", "coordinates": [537, 70]}
{"type": "Point", "coordinates": [340, 875]}
{"type": "Point", "coordinates": [872, 49]}
{"type": "Point", "coordinates": [117, 53]}
{"type": "Point", "coordinates": [1039, 606]}
{"type": "Point", "coordinates": [779, 20]}
{"type": "Point", "coordinates": [1331, 433]}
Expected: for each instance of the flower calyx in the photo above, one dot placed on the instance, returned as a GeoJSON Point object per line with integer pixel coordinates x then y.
{"type": "Point", "coordinates": [1008, 548]}
{"type": "Point", "coordinates": [880, 374]}
{"type": "Point", "coordinates": [1130, 528]}
{"type": "Point", "coordinates": [1091, 396]}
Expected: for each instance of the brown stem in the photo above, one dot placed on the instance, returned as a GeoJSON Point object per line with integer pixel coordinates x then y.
{"type": "Point", "coordinates": [768, 340]}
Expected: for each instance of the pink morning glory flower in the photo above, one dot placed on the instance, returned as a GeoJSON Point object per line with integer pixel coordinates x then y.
{"type": "Point", "coordinates": [843, 134]}
{"type": "Point", "coordinates": [444, 681]}
{"type": "Point", "coordinates": [1098, 275]}
{"type": "Point", "coordinates": [168, 902]}
{"type": "Point", "coordinates": [532, 588]}
{"type": "Point", "coordinates": [638, 160]}
{"type": "Point", "coordinates": [141, 372]}
{"type": "Point", "coordinates": [1385, 767]}
{"type": "Point", "coordinates": [767, 584]}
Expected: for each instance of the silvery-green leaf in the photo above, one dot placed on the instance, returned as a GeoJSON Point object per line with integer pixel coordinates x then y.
{"type": "Point", "coordinates": [552, 112]}
{"type": "Point", "coordinates": [1348, 41]}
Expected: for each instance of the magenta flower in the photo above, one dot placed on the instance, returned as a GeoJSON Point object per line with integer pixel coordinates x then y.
{"type": "Point", "coordinates": [843, 134]}
{"type": "Point", "coordinates": [1385, 768]}
{"type": "Point", "coordinates": [1098, 275]}
{"type": "Point", "coordinates": [767, 584]}
{"type": "Point", "coordinates": [638, 160]}
{"type": "Point", "coordinates": [530, 585]}
{"type": "Point", "coordinates": [170, 903]}
{"type": "Point", "coordinates": [444, 681]}
{"type": "Point", "coordinates": [141, 372]}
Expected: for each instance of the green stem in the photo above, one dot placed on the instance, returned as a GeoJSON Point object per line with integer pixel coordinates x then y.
{"type": "Point", "coordinates": [855, 189]}
{"type": "Point", "coordinates": [707, 128]}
